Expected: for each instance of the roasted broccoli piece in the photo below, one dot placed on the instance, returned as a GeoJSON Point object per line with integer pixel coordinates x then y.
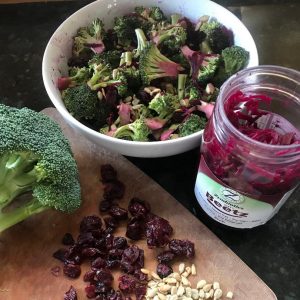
{"type": "Point", "coordinates": [89, 38]}
{"type": "Point", "coordinates": [235, 58]}
{"type": "Point", "coordinates": [217, 37]}
{"type": "Point", "coordinates": [154, 65]}
{"type": "Point", "coordinates": [77, 76]}
{"type": "Point", "coordinates": [135, 131]}
{"type": "Point", "coordinates": [164, 105]}
{"type": "Point", "coordinates": [191, 125]}
{"type": "Point", "coordinates": [34, 157]}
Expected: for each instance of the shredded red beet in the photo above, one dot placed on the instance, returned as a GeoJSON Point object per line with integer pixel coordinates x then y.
{"type": "Point", "coordinates": [244, 113]}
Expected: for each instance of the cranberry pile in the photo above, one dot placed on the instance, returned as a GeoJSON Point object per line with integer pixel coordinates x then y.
{"type": "Point", "coordinates": [106, 252]}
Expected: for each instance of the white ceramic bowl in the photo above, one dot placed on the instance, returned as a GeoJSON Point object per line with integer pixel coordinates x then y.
{"type": "Point", "coordinates": [59, 48]}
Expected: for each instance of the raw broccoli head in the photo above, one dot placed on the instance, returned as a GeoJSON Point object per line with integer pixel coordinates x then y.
{"type": "Point", "coordinates": [89, 39]}
{"type": "Point", "coordinates": [34, 156]}
{"type": "Point", "coordinates": [155, 65]}
{"type": "Point", "coordinates": [235, 59]}
{"type": "Point", "coordinates": [164, 105]}
{"type": "Point", "coordinates": [135, 131]}
{"type": "Point", "coordinates": [111, 58]}
{"type": "Point", "coordinates": [193, 91]}
{"type": "Point", "coordinates": [191, 125]}
{"type": "Point", "coordinates": [152, 14]}
{"type": "Point", "coordinates": [217, 37]}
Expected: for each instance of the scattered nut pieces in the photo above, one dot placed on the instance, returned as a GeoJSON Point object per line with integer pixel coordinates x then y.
{"type": "Point", "coordinates": [178, 287]}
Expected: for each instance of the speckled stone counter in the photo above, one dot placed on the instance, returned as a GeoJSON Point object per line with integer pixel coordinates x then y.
{"type": "Point", "coordinates": [273, 250]}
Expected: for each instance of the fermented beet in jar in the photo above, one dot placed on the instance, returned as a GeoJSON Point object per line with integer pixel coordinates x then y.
{"type": "Point", "coordinates": [250, 162]}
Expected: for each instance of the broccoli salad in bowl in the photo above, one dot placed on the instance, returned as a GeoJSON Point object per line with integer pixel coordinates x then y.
{"type": "Point", "coordinates": [150, 77]}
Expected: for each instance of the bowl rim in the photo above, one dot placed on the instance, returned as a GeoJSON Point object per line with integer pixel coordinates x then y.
{"type": "Point", "coordinates": [64, 112]}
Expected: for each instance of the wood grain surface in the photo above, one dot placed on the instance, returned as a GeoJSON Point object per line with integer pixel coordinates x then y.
{"type": "Point", "coordinates": [26, 249]}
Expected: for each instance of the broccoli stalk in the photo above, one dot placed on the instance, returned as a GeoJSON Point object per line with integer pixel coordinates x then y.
{"type": "Point", "coordinates": [175, 18]}
{"type": "Point", "coordinates": [126, 59]}
{"type": "Point", "coordinates": [141, 40]}
{"type": "Point", "coordinates": [181, 85]}
{"type": "Point", "coordinates": [154, 65]}
{"type": "Point", "coordinates": [35, 157]}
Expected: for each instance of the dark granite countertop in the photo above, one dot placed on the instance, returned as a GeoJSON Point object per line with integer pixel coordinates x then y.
{"type": "Point", "coordinates": [273, 250]}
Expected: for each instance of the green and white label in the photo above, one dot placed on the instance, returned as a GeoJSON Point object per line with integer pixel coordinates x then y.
{"type": "Point", "coordinates": [229, 207]}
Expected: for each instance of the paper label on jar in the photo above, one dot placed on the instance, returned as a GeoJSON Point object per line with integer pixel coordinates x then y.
{"type": "Point", "coordinates": [230, 207]}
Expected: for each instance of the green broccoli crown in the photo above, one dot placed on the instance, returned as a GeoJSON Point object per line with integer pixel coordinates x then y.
{"type": "Point", "coordinates": [191, 125]}
{"type": "Point", "coordinates": [154, 65]}
{"type": "Point", "coordinates": [235, 59]}
{"type": "Point", "coordinates": [135, 131]}
{"type": "Point", "coordinates": [192, 91]}
{"type": "Point", "coordinates": [156, 14]}
{"type": "Point", "coordinates": [111, 58]}
{"type": "Point", "coordinates": [164, 105]}
{"type": "Point", "coordinates": [217, 38]}
{"type": "Point", "coordinates": [76, 76]}
{"type": "Point", "coordinates": [208, 68]}
{"type": "Point", "coordinates": [81, 102]}
{"type": "Point", "coordinates": [34, 155]}
{"type": "Point", "coordinates": [101, 73]}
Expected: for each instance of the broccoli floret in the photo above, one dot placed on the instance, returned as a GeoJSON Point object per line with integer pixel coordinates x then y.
{"type": "Point", "coordinates": [235, 58]}
{"type": "Point", "coordinates": [208, 68]}
{"type": "Point", "coordinates": [179, 58]}
{"type": "Point", "coordinates": [135, 131]}
{"type": "Point", "coordinates": [89, 38]}
{"type": "Point", "coordinates": [34, 157]}
{"type": "Point", "coordinates": [217, 37]}
{"type": "Point", "coordinates": [191, 125]}
{"type": "Point", "coordinates": [125, 29]}
{"type": "Point", "coordinates": [164, 105]}
{"type": "Point", "coordinates": [141, 41]}
{"type": "Point", "coordinates": [81, 102]}
{"type": "Point", "coordinates": [111, 58]}
{"type": "Point", "coordinates": [126, 58]}
{"type": "Point", "coordinates": [77, 76]}
{"type": "Point", "coordinates": [170, 38]}
{"type": "Point", "coordinates": [192, 91]}
{"type": "Point", "coordinates": [152, 14]}
{"type": "Point", "coordinates": [175, 18]}
{"type": "Point", "coordinates": [154, 65]}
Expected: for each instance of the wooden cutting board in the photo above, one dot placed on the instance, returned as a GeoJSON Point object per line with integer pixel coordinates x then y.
{"type": "Point", "coordinates": [26, 249]}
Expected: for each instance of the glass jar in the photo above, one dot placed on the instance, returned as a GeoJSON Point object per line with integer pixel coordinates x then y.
{"type": "Point", "coordinates": [243, 182]}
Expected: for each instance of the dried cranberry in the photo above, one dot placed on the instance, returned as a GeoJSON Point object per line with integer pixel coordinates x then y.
{"type": "Point", "coordinates": [71, 294]}
{"type": "Point", "coordinates": [127, 284]}
{"type": "Point", "coordinates": [158, 232]}
{"type": "Point", "coordinates": [113, 263]}
{"type": "Point", "coordinates": [105, 205]}
{"type": "Point", "coordinates": [109, 241]}
{"type": "Point", "coordinates": [109, 230]}
{"type": "Point", "coordinates": [90, 252]}
{"type": "Point", "coordinates": [184, 248]}
{"type": "Point", "coordinates": [132, 259]}
{"type": "Point", "coordinates": [119, 242]}
{"type": "Point", "coordinates": [144, 97]}
{"type": "Point", "coordinates": [108, 173]}
{"type": "Point", "coordinates": [101, 297]}
{"type": "Point", "coordinates": [114, 190]}
{"type": "Point", "coordinates": [140, 291]}
{"type": "Point", "coordinates": [115, 253]}
{"type": "Point", "coordinates": [135, 228]}
{"type": "Point", "coordinates": [165, 257]}
{"type": "Point", "coordinates": [72, 271]}
{"type": "Point", "coordinates": [163, 270]}
{"type": "Point", "coordinates": [118, 213]}
{"type": "Point", "coordinates": [90, 223]}
{"type": "Point", "coordinates": [116, 295]}
{"type": "Point", "coordinates": [60, 254]}
{"type": "Point", "coordinates": [101, 244]}
{"type": "Point", "coordinates": [104, 276]}
{"type": "Point", "coordinates": [89, 276]}
{"type": "Point", "coordinates": [90, 291]}
{"type": "Point", "coordinates": [138, 207]}
{"type": "Point", "coordinates": [85, 239]}
{"type": "Point", "coordinates": [68, 239]}
{"type": "Point", "coordinates": [98, 263]}
{"type": "Point", "coordinates": [127, 298]}
{"type": "Point", "coordinates": [55, 271]}
{"type": "Point", "coordinates": [101, 287]}
{"type": "Point", "coordinates": [111, 222]}
{"type": "Point", "coordinates": [138, 274]}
